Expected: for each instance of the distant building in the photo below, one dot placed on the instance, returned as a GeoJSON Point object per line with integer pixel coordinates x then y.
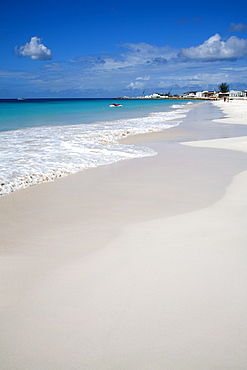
{"type": "Point", "coordinates": [209, 94]}
{"type": "Point", "coordinates": [199, 94]}
{"type": "Point", "coordinates": [237, 94]}
{"type": "Point", "coordinates": [213, 95]}
{"type": "Point", "coordinates": [188, 95]}
{"type": "Point", "coordinates": [206, 94]}
{"type": "Point", "coordinates": [233, 94]}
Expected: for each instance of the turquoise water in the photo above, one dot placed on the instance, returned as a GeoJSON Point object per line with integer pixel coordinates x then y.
{"type": "Point", "coordinates": [41, 140]}
{"type": "Point", "coordinates": [16, 114]}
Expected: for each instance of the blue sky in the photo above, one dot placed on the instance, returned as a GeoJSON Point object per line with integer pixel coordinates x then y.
{"type": "Point", "coordinates": [114, 48]}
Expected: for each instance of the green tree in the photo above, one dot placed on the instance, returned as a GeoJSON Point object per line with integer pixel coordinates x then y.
{"type": "Point", "coordinates": [223, 87]}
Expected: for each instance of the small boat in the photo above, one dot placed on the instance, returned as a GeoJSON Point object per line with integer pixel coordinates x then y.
{"type": "Point", "coordinates": [20, 98]}
{"type": "Point", "coordinates": [115, 105]}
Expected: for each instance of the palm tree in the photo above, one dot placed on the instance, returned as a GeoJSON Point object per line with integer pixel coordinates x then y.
{"type": "Point", "coordinates": [223, 87]}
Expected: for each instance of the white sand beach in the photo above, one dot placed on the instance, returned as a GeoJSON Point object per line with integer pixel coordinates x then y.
{"type": "Point", "coordinates": [135, 265]}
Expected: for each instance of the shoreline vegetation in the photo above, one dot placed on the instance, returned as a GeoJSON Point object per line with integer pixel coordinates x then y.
{"type": "Point", "coordinates": [135, 265]}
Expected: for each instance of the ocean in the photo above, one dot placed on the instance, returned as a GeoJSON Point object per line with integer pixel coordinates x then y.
{"type": "Point", "coordinates": [43, 139]}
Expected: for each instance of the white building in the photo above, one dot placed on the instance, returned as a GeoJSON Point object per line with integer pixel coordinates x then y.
{"type": "Point", "coordinates": [199, 94]}
{"type": "Point", "coordinates": [237, 94]}
{"type": "Point", "coordinates": [206, 94]}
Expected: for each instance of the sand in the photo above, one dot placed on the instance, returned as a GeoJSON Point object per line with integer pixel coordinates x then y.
{"type": "Point", "coordinates": [136, 265]}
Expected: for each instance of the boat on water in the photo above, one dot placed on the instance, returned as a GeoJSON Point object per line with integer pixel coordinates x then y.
{"type": "Point", "coordinates": [20, 98]}
{"type": "Point", "coordinates": [115, 105]}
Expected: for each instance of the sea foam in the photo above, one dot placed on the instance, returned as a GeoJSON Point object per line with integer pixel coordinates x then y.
{"type": "Point", "coordinates": [34, 155]}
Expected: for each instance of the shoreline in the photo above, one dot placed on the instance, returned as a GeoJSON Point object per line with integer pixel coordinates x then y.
{"type": "Point", "coordinates": [42, 154]}
{"type": "Point", "coordinates": [134, 265]}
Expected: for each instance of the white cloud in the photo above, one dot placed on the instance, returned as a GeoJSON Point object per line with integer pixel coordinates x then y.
{"type": "Point", "coordinates": [143, 53]}
{"type": "Point", "coordinates": [135, 85]}
{"type": "Point", "coordinates": [134, 67]}
{"type": "Point", "coordinates": [239, 27]}
{"type": "Point", "coordinates": [35, 50]}
{"type": "Point", "coordinates": [237, 69]}
{"type": "Point", "coordinates": [146, 78]}
{"type": "Point", "coordinates": [53, 67]}
{"type": "Point", "coordinates": [146, 59]}
{"type": "Point", "coordinates": [12, 74]}
{"type": "Point", "coordinates": [215, 49]}
{"type": "Point", "coordinates": [134, 56]}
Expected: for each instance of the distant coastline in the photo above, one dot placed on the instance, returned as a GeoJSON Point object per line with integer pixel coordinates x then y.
{"type": "Point", "coordinates": [157, 98]}
{"type": "Point", "coordinates": [195, 95]}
